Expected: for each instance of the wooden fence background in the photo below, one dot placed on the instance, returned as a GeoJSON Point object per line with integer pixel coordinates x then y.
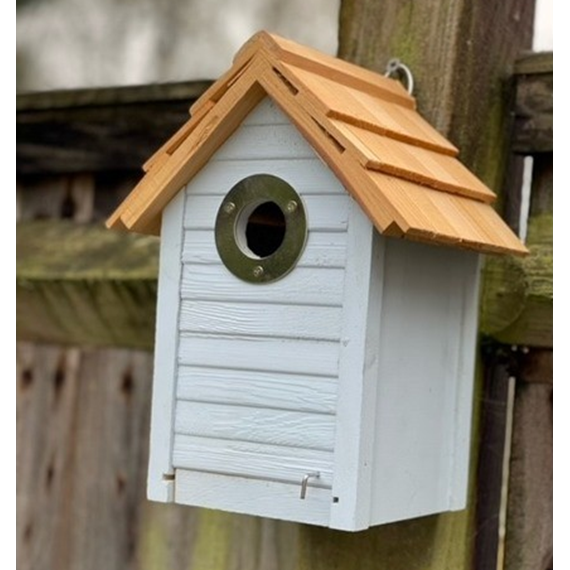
{"type": "Point", "coordinates": [85, 317]}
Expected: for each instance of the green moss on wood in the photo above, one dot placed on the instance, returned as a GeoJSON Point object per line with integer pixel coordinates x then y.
{"type": "Point", "coordinates": [211, 549]}
{"type": "Point", "coordinates": [436, 542]}
{"type": "Point", "coordinates": [518, 293]}
{"type": "Point", "coordinates": [87, 285]}
{"type": "Point", "coordinates": [59, 250]}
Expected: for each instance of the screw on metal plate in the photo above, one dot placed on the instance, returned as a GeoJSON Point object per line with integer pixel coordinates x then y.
{"type": "Point", "coordinates": [229, 207]}
{"type": "Point", "coordinates": [258, 271]}
{"type": "Point", "coordinates": [305, 482]}
{"type": "Point", "coordinates": [291, 206]}
{"type": "Point", "coordinates": [396, 68]}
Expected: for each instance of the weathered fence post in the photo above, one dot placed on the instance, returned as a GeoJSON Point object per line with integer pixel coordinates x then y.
{"type": "Point", "coordinates": [530, 501]}
{"type": "Point", "coordinates": [460, 54]}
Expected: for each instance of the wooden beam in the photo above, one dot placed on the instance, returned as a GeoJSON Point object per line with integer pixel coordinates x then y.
{"type": "Point", "coordinates": [84, 285]}
{"type": "Point", "coordinates": [517, 300]}
{"type": "Point", "coordinates": [533, 128]}
{"type": "Point", "coordinates": [535, 63]}
{"type": "Point", "coordinates": [93, 130]}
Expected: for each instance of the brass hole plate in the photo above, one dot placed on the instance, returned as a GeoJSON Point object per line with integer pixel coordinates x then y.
{"type": "Point", "coordinates": [233, 214]}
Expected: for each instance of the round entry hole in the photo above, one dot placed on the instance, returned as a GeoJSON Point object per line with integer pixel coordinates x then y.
{"type": "Point", "coordinates": [264, 229]}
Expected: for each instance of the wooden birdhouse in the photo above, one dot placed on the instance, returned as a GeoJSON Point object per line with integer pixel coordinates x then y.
{"type": "Point", "coordinates": [318, 293]}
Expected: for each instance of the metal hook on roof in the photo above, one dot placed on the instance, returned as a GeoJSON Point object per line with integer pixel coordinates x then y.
{"type": "Point", "coordinates": [396, 68]}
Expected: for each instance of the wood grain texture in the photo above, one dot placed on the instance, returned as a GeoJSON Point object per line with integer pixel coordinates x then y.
{"type": "Point", "coordinates": [261, 425]}
{"type": "Point", "coordinates": [529, 540]}
{"type": "Point", "coordinates": [307, 173]}
{"type": "Point", "coordinates": [362, 109]}
{"type": "Point", "coordinates": [268, 73]}
{"type": "Point", "coordinates": [254, 388]}
{"type": "Point", "coordinates": [84, 284]}
{"type": "Point", "coordinates": [279, 355]}
{"type": "Point", "coordinates": [279, 141]}
{"type": "Point", "coordinates": [256, 319]}
{"type": "Point", "coordinates": [490, 479]}
{"type": "Point", "coordinates": [304, 286]}
{"type": "Point", "coordinates": [413, 163]}
{"type": "Point", "coordinates": [452, 76]}
{"type": "Point", "coordinates": [517, 305]}
{"type": "Point", "coordinates": [61, 131]}
{"type": "Point", "coordinates": [255, 460]}
{"type": "Point", "coordinates": [327, 66]}
{"type": "Point", "coordinates": [325, 213]}
{"type": "Point", "coordinates": [81, 460]}
{"type": "Point", "coordinates": [272, 499]}
{"type": "Point", "coordinates": [533, 129]}
{"type": "Point", "coordinates": [456, 220]}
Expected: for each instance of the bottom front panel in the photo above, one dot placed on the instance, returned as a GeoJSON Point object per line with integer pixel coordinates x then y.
{"type": "Point", "coordinates": [257, 497]}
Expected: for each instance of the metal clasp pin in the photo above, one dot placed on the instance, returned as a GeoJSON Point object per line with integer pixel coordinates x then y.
{"type": "Point", "coordinates": [305, 482]}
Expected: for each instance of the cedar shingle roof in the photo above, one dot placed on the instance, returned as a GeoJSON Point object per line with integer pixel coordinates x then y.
{"type": "Point", "coordinates": [401, 171]}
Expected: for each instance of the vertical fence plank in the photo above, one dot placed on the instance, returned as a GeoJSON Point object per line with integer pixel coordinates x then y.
{"type": "Point", "coordinates": [46, 415]}
{"type": "Point", "coordinates": [491, 455]}
{"type": "Point", "coordinates": [83, 420]}
{"type": "Point", "coordinates": [529, 512]}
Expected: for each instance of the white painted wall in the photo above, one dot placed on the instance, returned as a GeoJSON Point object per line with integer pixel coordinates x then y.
{"type": "Point", "coordinates": [425, 380]}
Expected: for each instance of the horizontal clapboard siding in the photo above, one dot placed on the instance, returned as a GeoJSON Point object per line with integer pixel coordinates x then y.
{"type": "Point", "coordinates": [251, 319]}
{"type": "Point", "coordinates": [252, 459]}
{"type": "Point", "coordinates": [303, 286]}
{"type": "Point", "coordinates": [328, 213]}
{"type": "Point", "coordinates": [258, 141]}
{"type": "Point", "coordinates": [258, 389]}
{"type": "Point", "coordinates": [323, 249]}
{"type": "Point", "coordinates": [278, 355]}
{"type": "Point", "coordinates": [258, 364]}
{"type": "Point", "coordinates": [306, 174]}
{"type": "Point", "coordinates": [276, 427]}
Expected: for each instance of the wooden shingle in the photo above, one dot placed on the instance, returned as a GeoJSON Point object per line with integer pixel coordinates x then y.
{"type": "Point", "coordinates": [403, 173]}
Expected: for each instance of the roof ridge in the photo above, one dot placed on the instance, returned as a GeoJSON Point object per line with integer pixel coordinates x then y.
{"type": "Point", "coordinates": [278, 49]}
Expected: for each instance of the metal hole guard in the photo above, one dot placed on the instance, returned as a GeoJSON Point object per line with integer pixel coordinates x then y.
{"type": "Point", "coordinates": [240, 202]}
{"type": "Point", "coordinates": [396, 68]}
{"type": "Point", "coordinates": [305, 482]}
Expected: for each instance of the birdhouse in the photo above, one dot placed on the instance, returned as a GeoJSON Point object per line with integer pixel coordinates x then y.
{"type": "Point", "coordinates": [318, 294]}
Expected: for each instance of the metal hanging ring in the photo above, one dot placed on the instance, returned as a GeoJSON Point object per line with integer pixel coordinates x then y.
{"type": "Point", "coordinates": [396, 68]}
